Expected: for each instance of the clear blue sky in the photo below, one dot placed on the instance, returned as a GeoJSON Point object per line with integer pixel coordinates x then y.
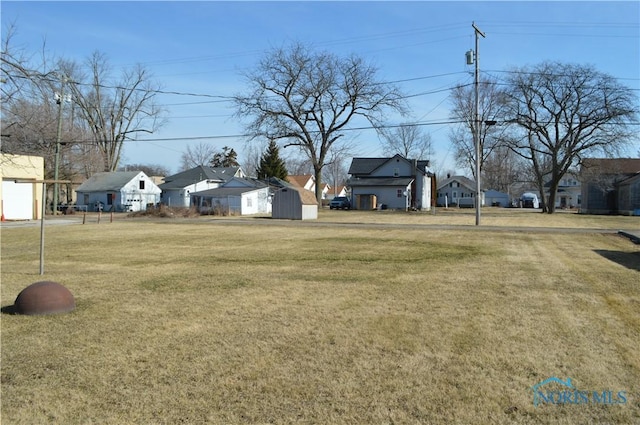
{"type": "Point", "coordinates": [199, 48]}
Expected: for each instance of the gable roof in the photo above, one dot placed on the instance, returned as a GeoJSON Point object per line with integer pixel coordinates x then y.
{"type": "Point", "coordinates": [307, 197]}
{"type": "Point", "coordinates": [108, 181]}
{"type": "Point", "coordinates": [198, 174]}
{"type": "Point", "coordinates": [381, 181]}
{"type": "Point", "coordinates": [365, 166]}
{"type": "Point", "coordinates": [466, 182]}
{"type": "Point", "coordinates": [300, 180]}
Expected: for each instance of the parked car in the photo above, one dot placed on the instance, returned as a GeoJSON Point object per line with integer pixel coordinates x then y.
{"type": "Point", "coordinates": [340, 202]}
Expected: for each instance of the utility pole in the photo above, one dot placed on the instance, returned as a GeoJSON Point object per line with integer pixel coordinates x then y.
{"type": "Point", "coordinates": [476, 123]}
{"type": "Point", "coordinates": [60, 101]}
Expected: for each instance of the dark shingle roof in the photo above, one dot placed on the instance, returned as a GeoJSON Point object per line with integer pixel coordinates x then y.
{"type": "Point", "coordinates": [198, 174]}
{"type": "Point", "coordinates": [468, 183]}
{"type": "Point", "coordinates": [364, 166]}
{"type": "Point", "coordinates": [380, 181]}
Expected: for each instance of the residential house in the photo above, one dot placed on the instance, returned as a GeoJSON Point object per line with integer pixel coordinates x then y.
{"type": "Point", "coordinates": [340, 190]}
{"type": "Point", "coordinates": [21, 200]}
{"type": "Point", "coordinates": [610, 186]}
{"type": "Point", "coordinates": [177, 189]}
{"type": "Point", "coordinates": [238, 196]}
{"type": "Point", "coordinates": [294, 203]}
{"type": "Point", "coordinates": [568, 194]}
{"type": "Point", "coordinates": [118, 191]}
{"type": "Point", "coordinates": [629, 195]}
{"type": "Point", "coordinates": [393, 183]}
{"type": "Point", "coordinates": [496, 198]}
{"type": "Point", "coordinates": [458, 191]}
{"type": "Point", "coordinates": [305, 181]}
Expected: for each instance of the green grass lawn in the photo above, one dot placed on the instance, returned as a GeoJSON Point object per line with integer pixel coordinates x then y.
{"type": "Point", "coordinates": [258, 321]}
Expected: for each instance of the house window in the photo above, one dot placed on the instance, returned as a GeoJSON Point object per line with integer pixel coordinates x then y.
{"type": "Point", "coordinates": [141, 184]}
{"type": "Point", "coordinates": [249, 202]}
{"type": "Point", "coordinates": [396, 172]}
{"type": "Point", "coordinates": [455, 195]}
{"type": "Point", "coordinates": [399, 193]}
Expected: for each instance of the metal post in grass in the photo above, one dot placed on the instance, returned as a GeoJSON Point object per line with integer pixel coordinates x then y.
{"type": "Point", "coordinates": [42, 213]}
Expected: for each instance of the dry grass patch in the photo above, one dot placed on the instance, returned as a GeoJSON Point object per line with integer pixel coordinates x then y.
{"type": "Point", "coordinates": [218, 322]}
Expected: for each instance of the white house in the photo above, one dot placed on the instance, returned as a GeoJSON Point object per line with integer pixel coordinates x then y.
{"type": "Point", "coordinates": [394, 183]}
{"type": "Point", "coordinates": [238, 196]}
{"type": "Point", "coordinates": [118, 191]}
{"type": "Point", "coordinates": [177, 189]}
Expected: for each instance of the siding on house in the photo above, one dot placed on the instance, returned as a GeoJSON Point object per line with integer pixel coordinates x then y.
{"type": "Point", "coordinates": [118, 191]}
{"type": "Point", "coordinates": [21, 201]}
{"type": "Point", "coordinates": [457, 190]}
{"type": "Point", "coordinates": [608, 185]}
{"type": "Point", "coordinates": [177, 188]}
{"type": "Point", "coordinates": [395, 183]}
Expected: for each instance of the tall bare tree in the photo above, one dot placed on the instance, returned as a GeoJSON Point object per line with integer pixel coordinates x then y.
{"type": "Point", "coordinates": [407, 140]}
{"type": "Point", "coordinates": [196, 155]}
{"type": "Point", "coordinates": [491, 100]}
{"type": "Point", "coordinates": [115, 110]}
{"type": "Point", "coordinates": [307, 98]}
{"type": "Point", "coordinates": [563, 113]}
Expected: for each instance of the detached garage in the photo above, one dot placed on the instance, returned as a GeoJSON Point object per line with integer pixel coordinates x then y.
{"type": "Point", "coordinates": [21, 201]}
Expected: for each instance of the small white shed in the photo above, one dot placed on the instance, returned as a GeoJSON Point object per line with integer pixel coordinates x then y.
{"type": "Point", "coordinates": [294, 204]}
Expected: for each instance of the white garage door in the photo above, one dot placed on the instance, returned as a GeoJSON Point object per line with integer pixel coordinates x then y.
{"type": "Point", "coordinates": [17, 200]}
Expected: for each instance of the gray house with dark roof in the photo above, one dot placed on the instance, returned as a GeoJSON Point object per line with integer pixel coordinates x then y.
{"type": "Point", "coordinates": [393, 183]}
{"type": "Point", "coordinates": [177, 189]}
{"type": "Point", "coordinates": [457, 191]}
{"type": "Point", "coordinates": [118, 191]}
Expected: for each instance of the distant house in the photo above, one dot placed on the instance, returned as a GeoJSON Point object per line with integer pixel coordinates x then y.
{"type": "Point", "coordinates": [177, 189]}
{"type": "Point", "coordinates": [294, 203]}
{"type": "Point", "coordinates": [610, 186]}
{"type": "Point", "coordinates": [21, 201]}
{"type": "Point", "coordinates": [238, 196]}
{"type": "Point", "coordinates": [569, 193]}
{"type": "Point", "coordinates": [118, 191]}
{"type": "Point", "coordinates": [458, 191]}
{"type": "Point", "coordinates": [496, 198]}
{"type": "Point", "coordinates": [393, 183]}
{"type": "Point", "coordinates": [340, 190]}
{"type": "Point", "coordinates": [305, 181]}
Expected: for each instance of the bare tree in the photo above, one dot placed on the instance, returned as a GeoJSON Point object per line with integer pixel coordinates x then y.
{"type": "Point", "coordinates": [115, 110]}
{"type": "Point", "coordinates": [563, 113]}
{"type": "Point", "coordinates": [148, 169]}
{"type": "Point", "coordinates": [194, 156]}
{"type": "Point", "coordinates": [407, 140]}
{"type": "Point", "coordinates": [307, 98]}
{"type": "Point", "coordinates": [491, 100]}
{"type": "Point", "coordinates": [502, 168]}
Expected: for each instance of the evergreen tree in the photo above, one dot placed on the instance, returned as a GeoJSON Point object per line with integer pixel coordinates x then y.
{"type": "Point", "coordinates": [271, 165]}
